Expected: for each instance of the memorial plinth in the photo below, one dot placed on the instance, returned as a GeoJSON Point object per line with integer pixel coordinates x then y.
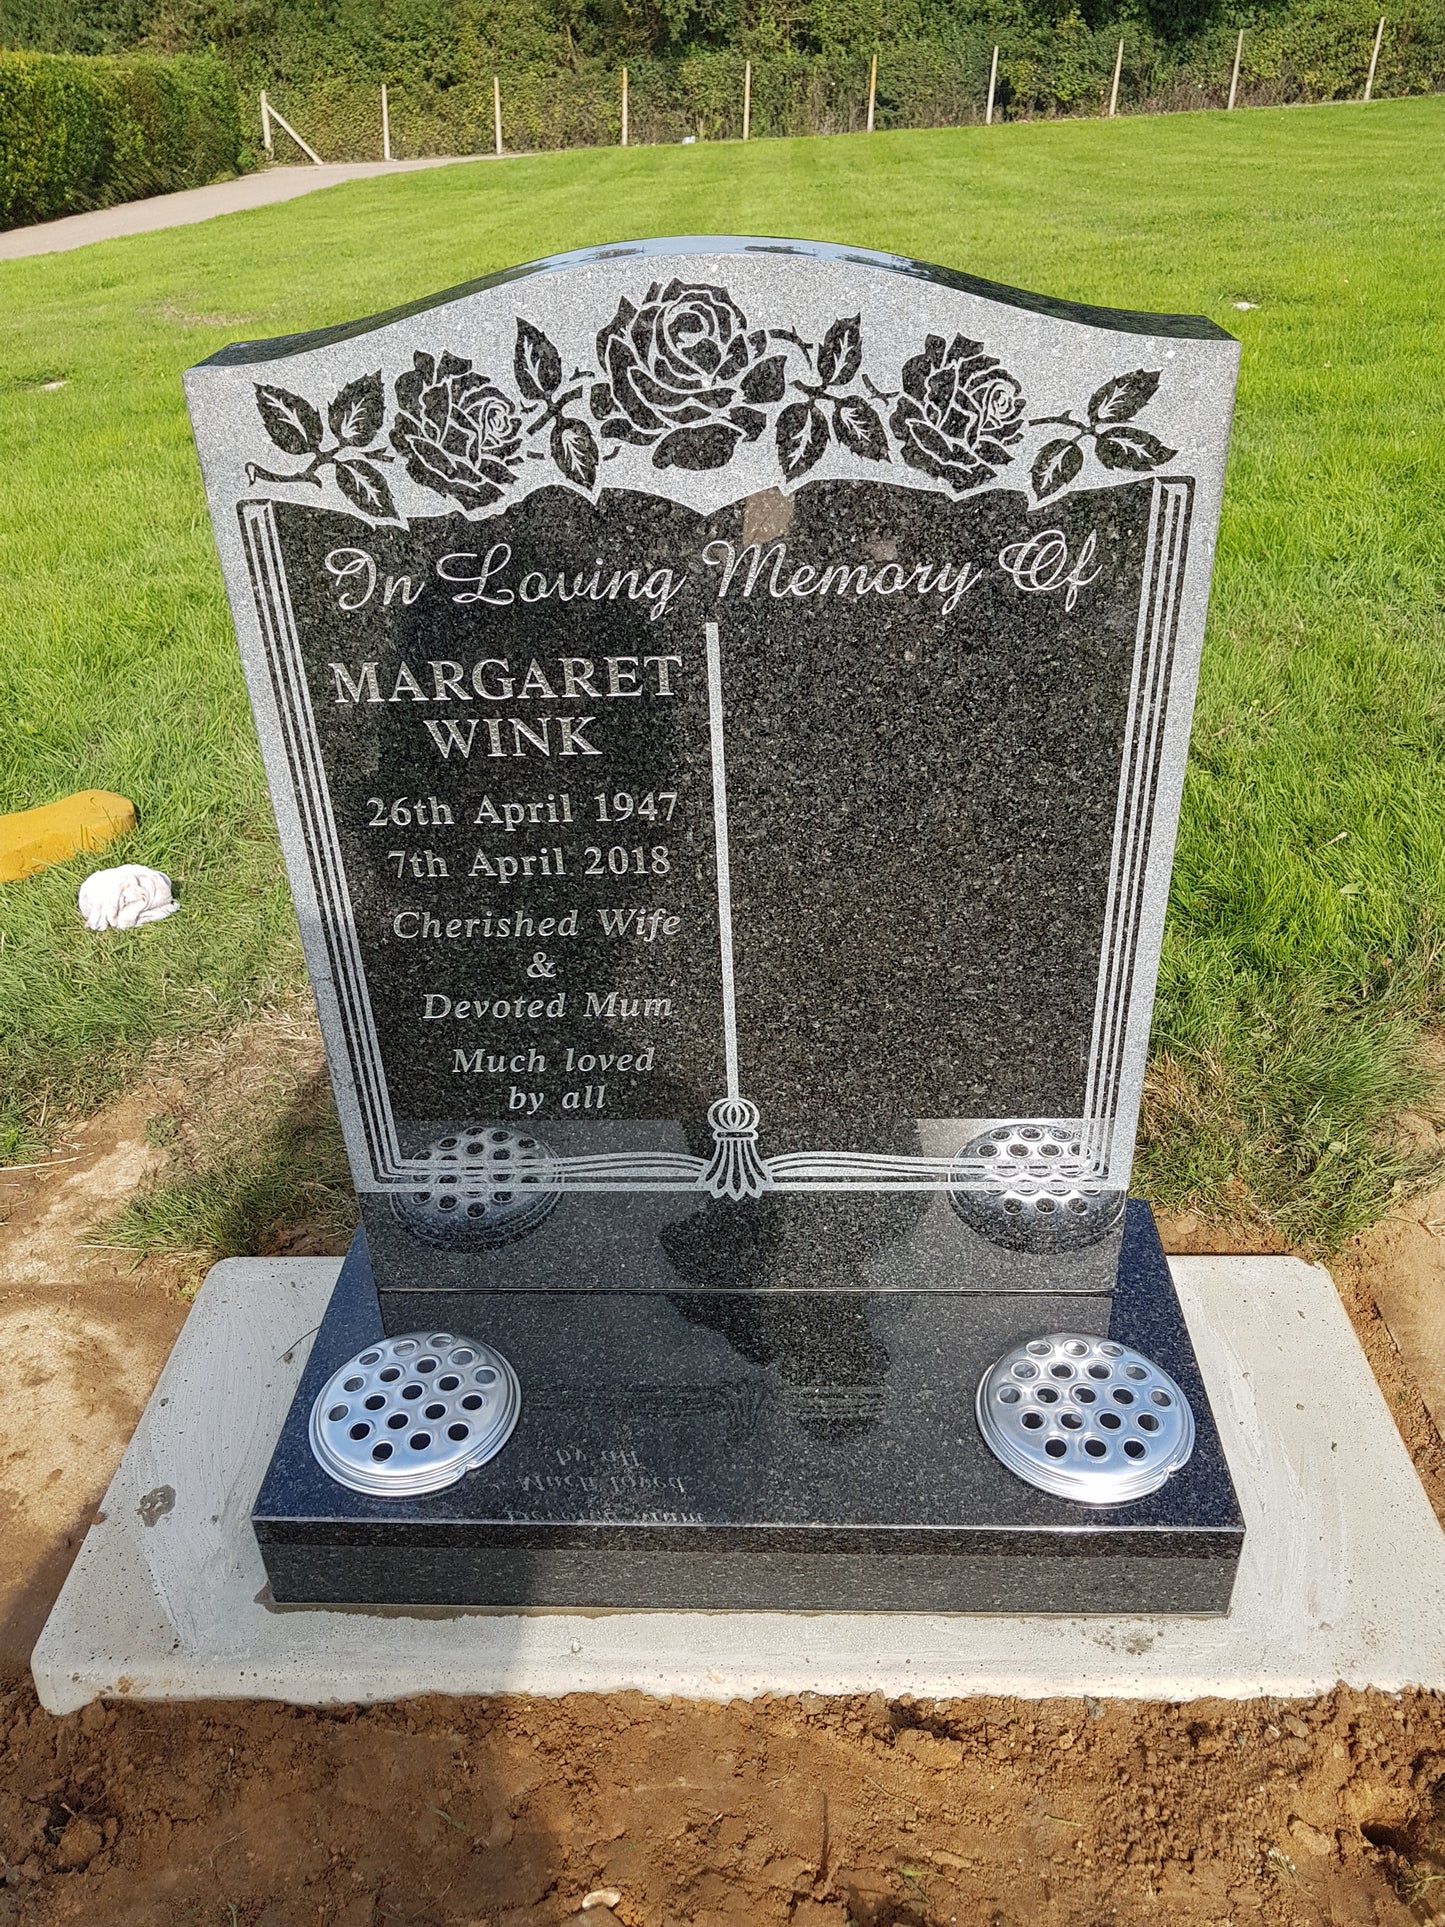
{"type": "Point", "coordinates": [726, 706]}
{"type": "Point", "coordinates": [815, 1451]}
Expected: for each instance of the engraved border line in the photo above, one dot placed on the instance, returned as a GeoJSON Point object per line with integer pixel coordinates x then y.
{"type": "Point", "coordinates": [1180, 501]}
{"type": "Point", "coordinates": [303, 749]}
{"type": "Point", "coordinates": [1158, 622]}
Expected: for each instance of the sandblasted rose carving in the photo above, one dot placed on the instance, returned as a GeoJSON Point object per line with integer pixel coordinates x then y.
{"type": "Point", "coordinates": [960, 413]}
{"type": "Point", "coordinates": [456, 431]}
{"type": "Point", "coordinates": [686, 376]}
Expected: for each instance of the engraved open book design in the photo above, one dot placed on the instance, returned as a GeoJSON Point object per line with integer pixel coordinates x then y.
{"type": "Point", "coordinates": [737, 1167]}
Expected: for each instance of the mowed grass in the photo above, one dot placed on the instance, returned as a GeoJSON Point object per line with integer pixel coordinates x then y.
{"type": "Point", "coordinates": [1303, 952]}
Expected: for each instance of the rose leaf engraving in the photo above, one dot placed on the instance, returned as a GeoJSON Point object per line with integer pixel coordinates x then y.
{"type": "Point", "coordinates": [1116, 442]}
{"type": "Point", "coordinates": [1122, 396]}
{"type": "Point", "coordinates": [1055, 465]}
{"type": "Point", "coordinates": [802, 435]}
{"type": "Point", "coordinates": [574, 450]}
{"type": "Point", "coordinates": [291, 422]}
{"type": "Point", "coordinates": [294, 425]}
{"type": "Point", "coordinates": [357, 412]}
{"type": "Point", "coordinates": [841, 355]}
{"type": "Point", "coordinates": [366, 488]}
{"type": "Point", "coordinates": [537, 364]}
{"type": "Point", "coordinates": [1130, 447]}
{"type": "Point", "coordinates": [859, 428]}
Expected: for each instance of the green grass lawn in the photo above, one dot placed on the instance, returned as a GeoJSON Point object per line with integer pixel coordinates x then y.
{"type": "Point", "coordinates": [1303, 953]}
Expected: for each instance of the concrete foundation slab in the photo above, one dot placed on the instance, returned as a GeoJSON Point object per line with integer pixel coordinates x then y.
{"type": "Point", "coordinates": [1342, 1577]}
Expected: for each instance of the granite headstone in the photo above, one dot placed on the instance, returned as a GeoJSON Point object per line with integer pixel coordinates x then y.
{"type": "Point", "coordinates": [726, 704]}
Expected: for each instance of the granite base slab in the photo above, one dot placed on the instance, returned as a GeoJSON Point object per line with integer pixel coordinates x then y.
{"type": "Point", "coordinates": [757, 1451]}
{"type": "Point", "coordinates": [1342, 1577]}
{"type": "Point", "coordinates": [681, 1245]}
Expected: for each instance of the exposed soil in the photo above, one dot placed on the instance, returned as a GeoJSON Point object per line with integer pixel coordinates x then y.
{"type": "Point", "coordinates": [86, 1323]}
{"type": "Point", "coordinates": [811, 1812]}
{"type": "Point", "coordinates": [441, 1813]}
{"type": "Point", "coordinates": [84, 1331]}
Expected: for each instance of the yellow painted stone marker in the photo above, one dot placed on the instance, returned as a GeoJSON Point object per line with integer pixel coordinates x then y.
{"type": "Point", "coordinates": [32, 840]}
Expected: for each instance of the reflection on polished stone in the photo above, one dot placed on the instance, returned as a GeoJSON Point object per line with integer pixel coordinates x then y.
{"type": "Point", "coordinates": [485, 1185]}
{"type": "Point", "coordinates": [1030, 1186]}
{"type": "Point", "coordinates": [759, 1449]}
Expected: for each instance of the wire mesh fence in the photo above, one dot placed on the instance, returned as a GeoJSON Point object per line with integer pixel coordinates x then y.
{"type": "Point", "coordinates": [1319, 53]}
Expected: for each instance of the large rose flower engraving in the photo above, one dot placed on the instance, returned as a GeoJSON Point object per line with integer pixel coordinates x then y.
{"type": "Point", "coordinates": [959, 414]}
{"type": "Point", "coordinates": [686, 376]}
{"type": "Point", "coordinates": [456, 431]}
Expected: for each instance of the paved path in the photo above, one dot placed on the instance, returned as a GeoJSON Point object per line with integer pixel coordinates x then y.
{"type": "Point", "coordinates": [194, 204]}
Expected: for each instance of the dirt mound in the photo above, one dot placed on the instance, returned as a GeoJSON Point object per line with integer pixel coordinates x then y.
{"type": "Point", "coordinates": [780, 1813]}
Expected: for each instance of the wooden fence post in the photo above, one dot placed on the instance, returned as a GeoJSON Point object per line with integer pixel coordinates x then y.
{"type": "Point", "coordinates": [1114, 90]}
{"type": "Point", "coordinates": [497, 112]}
{"type": "Point", "coordinates": [286, 128]}
{"type": "Point", "coordinates": [1374, 59]}
{"type": "Point", "coordinates": [385, 126]}
{"type": "Point", "coordinates": [624, 107]}
{"type": "Point", "coordinates": [266, 125]}
{"type": "Point", "coordinates": [747, 97]}
{"type": "Point", "coordinates": [1234, 77]}
{"type": "Point", "coordinates": [992, 85]}
{"type": "Point", "coordinates": [872, 91]}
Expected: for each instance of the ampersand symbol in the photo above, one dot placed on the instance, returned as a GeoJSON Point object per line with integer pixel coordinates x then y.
{"type": "Point", "coordinates": [541, 965]}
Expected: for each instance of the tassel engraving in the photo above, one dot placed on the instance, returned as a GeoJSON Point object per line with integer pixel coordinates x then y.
{"type": "Point", "coordinates": [735, 1169]}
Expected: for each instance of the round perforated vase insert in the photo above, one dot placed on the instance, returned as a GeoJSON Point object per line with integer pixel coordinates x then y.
{"type": "Point", "coordinates": [414, 1414]}
{"type": "Point", "coordinates": [485, 1185]}
{"type": "Point", "coordinates": [1029, 1187]}
{"type": "Point", "coordinates": [1085, 1418]}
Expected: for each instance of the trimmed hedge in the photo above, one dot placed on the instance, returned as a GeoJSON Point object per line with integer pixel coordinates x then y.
{"type": "Point", "coordinates": [93, 131]}
{"type": "Point", "coordinates": [79, 133]}
{"type": "Point", "coordinates": [1302, 50]}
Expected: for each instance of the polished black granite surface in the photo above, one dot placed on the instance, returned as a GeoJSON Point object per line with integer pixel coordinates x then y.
{"type": "Point", "coordinates": [757, 1450]}
{"type": "Point", "coordinates": [522, 793]}
{"type": "Point", "coordinates": [681, 1242]}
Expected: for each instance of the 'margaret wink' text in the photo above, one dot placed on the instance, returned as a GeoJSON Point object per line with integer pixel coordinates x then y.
{"type": "Point", "coordinates": [494, 679]}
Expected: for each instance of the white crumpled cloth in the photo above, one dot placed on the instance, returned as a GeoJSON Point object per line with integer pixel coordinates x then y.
{"type": "Point", "coordinates": [126, 897]}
